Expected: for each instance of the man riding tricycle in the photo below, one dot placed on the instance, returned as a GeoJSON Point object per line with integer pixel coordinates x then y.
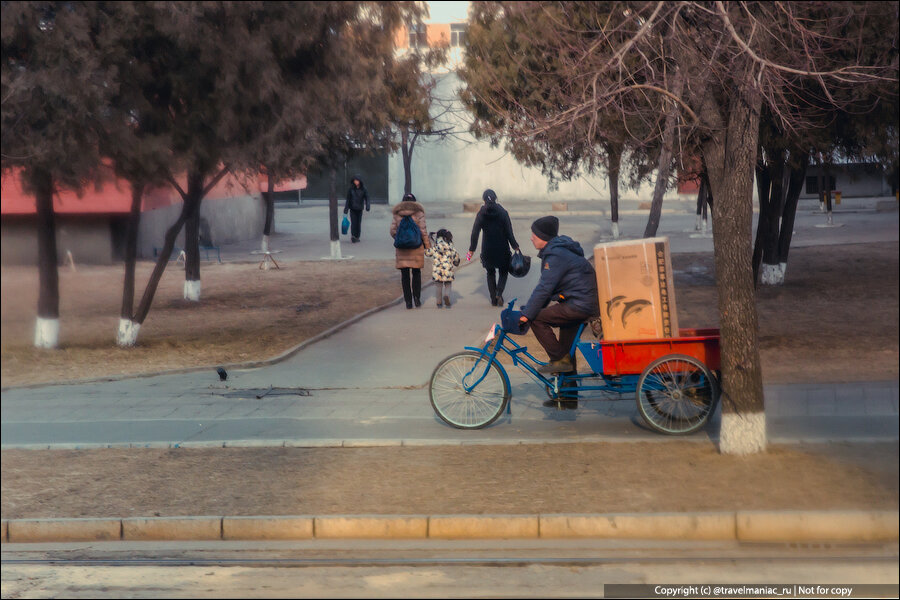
{"type": "Point", "coordinates": [672, 377]}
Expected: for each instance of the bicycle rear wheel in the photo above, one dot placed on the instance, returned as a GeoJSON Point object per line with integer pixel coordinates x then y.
{"type": "Point", "coordinates": [676, 394]}
{"type": "Point", "coordinates": [477, 407]}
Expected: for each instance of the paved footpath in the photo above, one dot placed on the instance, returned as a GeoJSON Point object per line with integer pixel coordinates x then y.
{"type": "Point", "coordinates": [365, 385]}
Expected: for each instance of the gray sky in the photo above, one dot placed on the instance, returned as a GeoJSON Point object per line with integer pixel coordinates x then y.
{"type": "Point", "coordinates": [447, 11]}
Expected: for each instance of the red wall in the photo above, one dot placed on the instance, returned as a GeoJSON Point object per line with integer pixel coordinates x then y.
{"type": "Point", "coordinates": [113, 196]}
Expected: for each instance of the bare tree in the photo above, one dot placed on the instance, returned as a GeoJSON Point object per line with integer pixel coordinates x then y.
{"type": "Point", "coordinates": [54, 89]}
{"type": "Point", "coordinates": [735, 58]}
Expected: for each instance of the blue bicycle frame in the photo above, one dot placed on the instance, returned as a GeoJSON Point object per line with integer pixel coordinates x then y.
{"type": "Point", "coordinates": [563, 386]}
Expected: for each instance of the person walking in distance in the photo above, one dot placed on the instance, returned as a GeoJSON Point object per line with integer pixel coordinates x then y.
{"type": "Point", "coordinates": [446, 259]}
{"type": "Point", "coordinates": [492, 221]}
{"type": "Point", "coordinates": [409, 222]}
{"type": "Point", "coordinates": [357, 199]}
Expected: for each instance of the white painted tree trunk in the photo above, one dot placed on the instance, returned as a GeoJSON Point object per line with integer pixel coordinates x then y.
{"type": "Point", "coordinates": [772, 274]}
{"type": "Point", "coordinates": [336, 249]}
{"type": "Point", "coordinates": [615, 230]}
{"type": "Point", "coordinates": [697, 223]}
{"type": "Point", "coordinates": [742, 434]}
{"type": "Point", "coordinates": [127, 334]}
{"type": "Point", "coordinates": [192, 290]}
{"type": "Point", "coordinates": [46, 333]}
{"type": "Point", "coordinates": [265, 243]}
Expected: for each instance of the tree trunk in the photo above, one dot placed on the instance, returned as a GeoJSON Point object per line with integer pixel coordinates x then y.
{"type": "Point", "coordinates": [789, 212]}
{"type": "Point", "coordinates": [702, 203]}
{"type": "Point", "coordinates": [333, 214]}
{"type": "Point", "coordinates": [771, 269]}
{"type": "Point", "coordinates": [46, 330]}
{"type": "Point", "coordinates": [128, 329]}
{"type": "Point", "coordinates": [821, 186]}
{"type": "Point", "coordinates": [161, 262]}
{"type": "Point", "coordinates": [406, 152]}
{"type": "Point", "coordinates": [269, 199]}
{"type": "Point", "coordinates": [826, 167]}
{"type": "Point", "coordinates": [192, 239]}
{"type": "Point", "coordinates": [665, 159]}
{"type": "Point", "coordinates": [614, 154]}
{"type": "Point", "coordinates": [763, 189]}
{"type": "Point", "coordinates": [770, 183]}
{"type": "Point", "coordinates": [730, 157]}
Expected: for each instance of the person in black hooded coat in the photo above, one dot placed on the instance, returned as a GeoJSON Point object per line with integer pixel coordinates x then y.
{"type": "Point", "coordinates": [493, 221]}
{"type": "Point", "coordinates": [357, 198]}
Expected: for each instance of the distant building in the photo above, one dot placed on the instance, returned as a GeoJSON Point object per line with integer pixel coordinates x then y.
{"type": "Point", "coordinates": [852, 179]}
{"type": "Point", "coordinates": [92, 225]}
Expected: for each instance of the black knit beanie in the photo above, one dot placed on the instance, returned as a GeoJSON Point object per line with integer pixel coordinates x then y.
{"type": "Point", "coordinates": [489, 196]}
{"type": "Point", "coordinates": [546, 228]}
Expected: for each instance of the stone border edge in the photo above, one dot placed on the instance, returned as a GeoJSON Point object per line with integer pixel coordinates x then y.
{"type": "Point", "coordinates": [741, 526]}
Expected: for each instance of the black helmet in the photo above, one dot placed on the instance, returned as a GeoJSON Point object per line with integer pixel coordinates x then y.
{"type": "Point", "coordinates": [519, 264]}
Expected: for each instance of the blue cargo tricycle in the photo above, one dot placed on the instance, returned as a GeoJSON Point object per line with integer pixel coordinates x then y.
{"type": "Point", "coordinates": [675, 380]}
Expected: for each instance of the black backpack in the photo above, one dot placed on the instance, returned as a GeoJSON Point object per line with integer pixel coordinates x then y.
{"type": "Point", "coordinates": [408, 235]}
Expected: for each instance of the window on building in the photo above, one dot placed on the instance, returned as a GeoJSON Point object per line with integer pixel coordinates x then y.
{"type": "Point", "coordinates": [418, 38]}
{"type": "Point", "coordinates": [457, 34]}
{"type": "Point", "coordinates": [812, 184]}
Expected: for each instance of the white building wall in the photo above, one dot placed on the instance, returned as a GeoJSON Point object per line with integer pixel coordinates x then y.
{"type": "Point", "coordinates": [460, 168]}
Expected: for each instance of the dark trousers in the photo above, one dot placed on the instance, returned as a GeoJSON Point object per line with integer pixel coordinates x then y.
{"type": "Point", "coordinates": [411, 289]}
{"type": "Point", "coordinates": [355, 223]}
{"type": "Point", "coordinates": [496, 283]}
{"type": "Point", "coordinates": [567, 319]}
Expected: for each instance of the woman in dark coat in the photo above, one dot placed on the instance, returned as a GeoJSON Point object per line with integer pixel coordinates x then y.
{"type": "Point", "coordinates": [498, 236]}
{"type": "Point", "coordinates": [357, 198]}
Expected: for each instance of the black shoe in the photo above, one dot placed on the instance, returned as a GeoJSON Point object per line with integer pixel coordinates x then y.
{"type": "Point", "coordinates": [493, 302]}
{"type": "Point", "coordinates": [354, 240]}
{"type": "Point", "coordinates": [499, 299]}
{"type": "Point", "coordinates": [562, 404]}
{"type": "Point", "coordinates": [409, 305]}
{"type": "Point", "coordinates": [417, 302]}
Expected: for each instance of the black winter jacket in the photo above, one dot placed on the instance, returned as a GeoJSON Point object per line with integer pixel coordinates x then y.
{"type": "Point", "coordinates": [357, 197]}
{"type": "Point", "coordinates": [498, 236]}
{"type": "Point", "coordinates": [564, 270]}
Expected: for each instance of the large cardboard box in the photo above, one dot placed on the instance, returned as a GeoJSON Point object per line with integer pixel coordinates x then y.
{"type": "Point", "coordinates": [636, 288]}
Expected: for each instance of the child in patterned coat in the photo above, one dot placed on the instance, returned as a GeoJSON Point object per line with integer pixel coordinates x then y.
{"type": "Point", "coordinates": [446, 258]}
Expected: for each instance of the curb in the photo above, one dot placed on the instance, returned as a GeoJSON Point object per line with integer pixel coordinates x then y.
{"type": "Point", "coordinates": [741, 526]}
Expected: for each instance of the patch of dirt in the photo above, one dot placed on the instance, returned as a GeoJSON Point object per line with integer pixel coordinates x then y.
{"type": "Point", "coordinates": [834, 320]}
{"type": "Point", "coordinates": [509, 479]}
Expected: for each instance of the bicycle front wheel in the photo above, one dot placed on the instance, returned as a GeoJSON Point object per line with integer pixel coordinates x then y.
{"type": "Point", "coordinates": [472, 408]}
